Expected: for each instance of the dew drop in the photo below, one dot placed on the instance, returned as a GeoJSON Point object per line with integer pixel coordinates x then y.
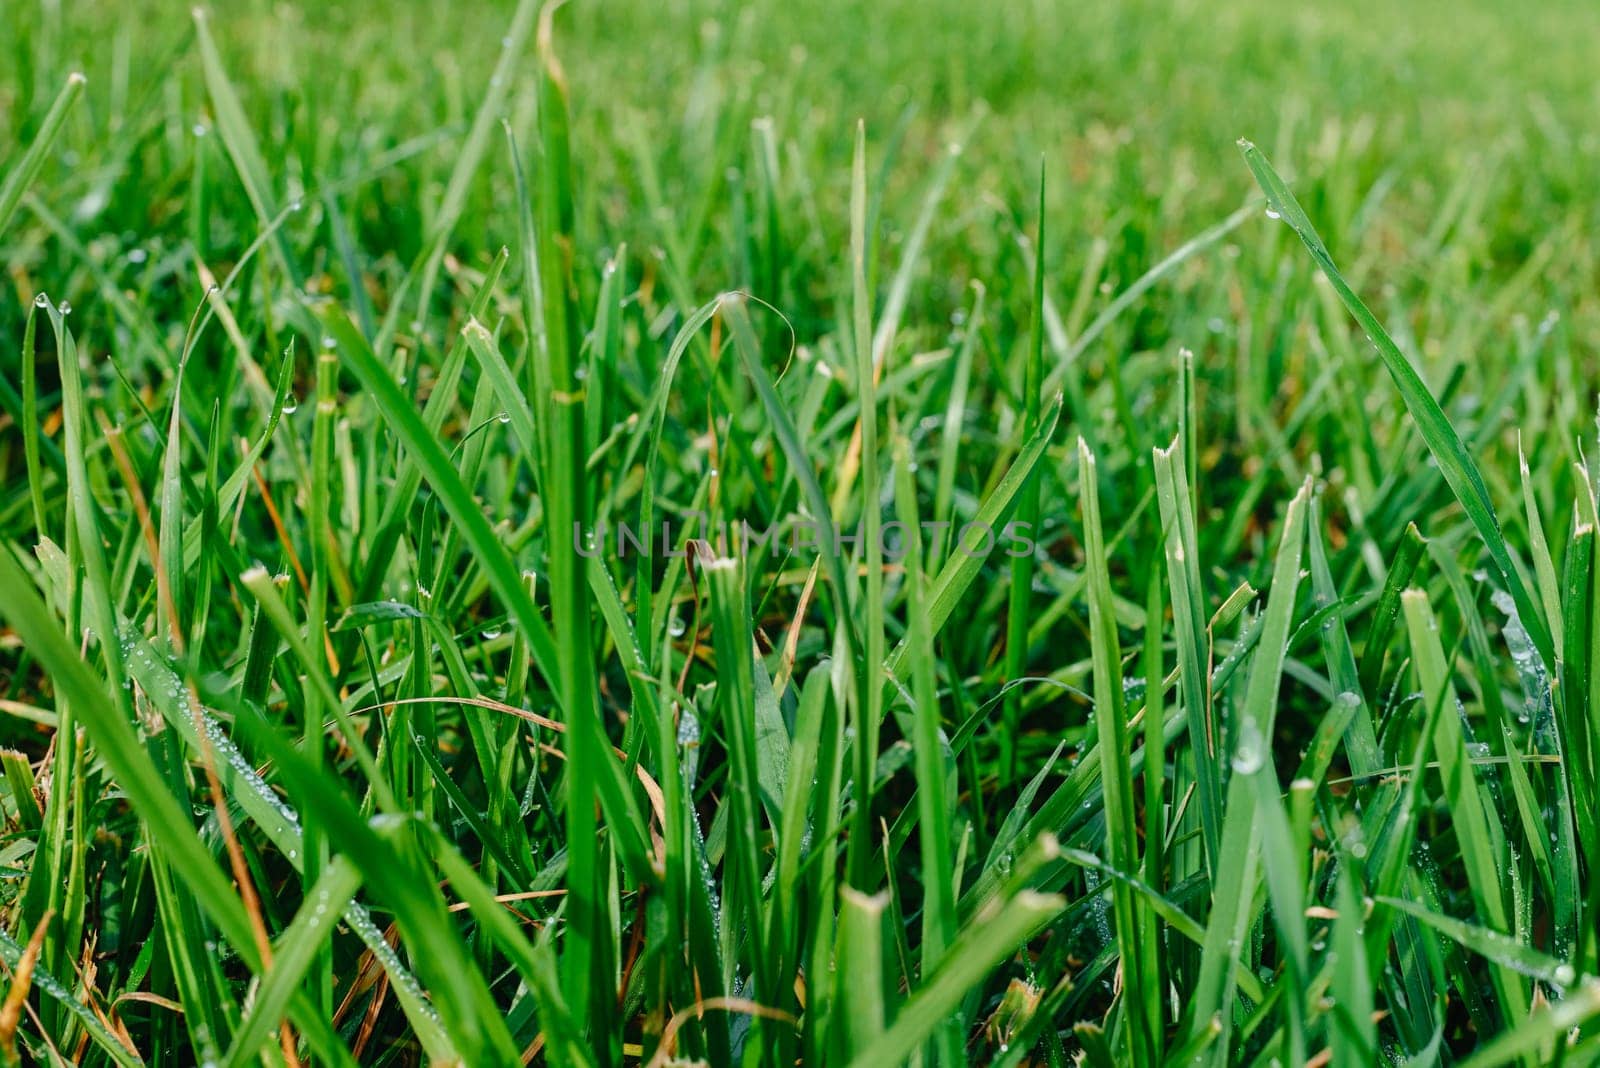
{"type": "Point", "coordinates": [291, 404]}
{"type": "Point", "coordinates": [1249, 756]}
{"type": "Point", "coordinates": [676, 627]}
{"type": "Point", "coordinates": [1271, 214]}
{"type": "Point", "coordinates": [41, 301]}
{"type": "Point", "coordinates": [65, 307]}
{"type": "Point", "coordinates": [491, 633]}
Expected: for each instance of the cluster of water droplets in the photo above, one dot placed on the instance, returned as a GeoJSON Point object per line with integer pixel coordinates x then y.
{"type": "Point", "coordinates": [42, 300]}
{"type": "Point", "coordinates": [276, 817]}
{"type": "Point", "coordinates": [1524, 657]}
{"type": "Point", "coordinates": [360, 921]}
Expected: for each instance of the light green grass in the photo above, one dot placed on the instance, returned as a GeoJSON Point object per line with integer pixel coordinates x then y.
{"type": "Point", "coordinates": [328, 740]}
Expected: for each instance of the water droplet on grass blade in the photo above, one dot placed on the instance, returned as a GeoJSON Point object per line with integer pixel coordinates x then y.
{"type": "Point", "coordinates": [1250, 754]}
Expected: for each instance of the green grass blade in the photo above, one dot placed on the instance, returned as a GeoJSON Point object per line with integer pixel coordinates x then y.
{"type": "Point", "coordinates": [929, 748]}
{"type": "Point", "coordinates": [1116, 776]}
{"type": "Point", "coordinates": [292, 959]}
{"type": "Point", "coordinates": [1482, 861]}
{"type": "Point", "coordinates": [1192, 638]}
{"type": "Point", "coordinates": [1455, 463]}
{"type": "Point", "coordinates": [1022, 564]}
{"type": "Point", "coordinates": [26, 169]}
{"type": "Point", "coordinates": [1234, 887]}
{"type": "Point", "coordinates": [869, 601]}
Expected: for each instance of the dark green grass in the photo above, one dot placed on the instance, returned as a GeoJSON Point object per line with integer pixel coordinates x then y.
{"type": "Point", "coordinates": [328, 738]}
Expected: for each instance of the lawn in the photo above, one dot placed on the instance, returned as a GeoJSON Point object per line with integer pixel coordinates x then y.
{"type": "Point", "coordinates": [753, 534]}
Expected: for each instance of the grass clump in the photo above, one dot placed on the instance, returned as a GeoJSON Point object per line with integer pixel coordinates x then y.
{"type": "Point", "coordinates": [507, 561]}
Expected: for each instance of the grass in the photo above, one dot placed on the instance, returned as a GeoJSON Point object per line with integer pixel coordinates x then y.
{"type": "Point", "coordinates": [342, 721]}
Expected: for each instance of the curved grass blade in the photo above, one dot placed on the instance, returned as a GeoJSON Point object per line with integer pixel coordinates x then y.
{"type": "Point", "coordinates": [293, 954]}
{"type": "Point", "coordinates": [22, 175]}
{"type": "Point", "coordinates": [1455, 463]}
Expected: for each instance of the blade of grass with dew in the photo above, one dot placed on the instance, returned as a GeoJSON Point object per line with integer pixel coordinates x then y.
{"type": "Point", "coordinates": [1484, 866]}
{"type": "Point", "coordinates": [1455, 464]}
{"type": "Point", "coordinates": [1536, 1036]}
{"type": "Point", "coordinates": [1544, 565]}
{"type": "Point", "coordinates": [1233, 890]}
{"type": "Point", "coordinates": [57, 991]}
{"type": "Point", "coordinates": [383, 851]}
{"type": "Point", "coordinates": [294, 956]}
{"type": "Point", "coordinates": [736, 697]}
{"type": "Point", "coordinates": [1490, 944]}
{"type": "Point", "coordinates": [277, 819]}
{"type": "Point", "coordinates": [1352, 1031]}
{"type": "Point", "coordinates": [120, 750]}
